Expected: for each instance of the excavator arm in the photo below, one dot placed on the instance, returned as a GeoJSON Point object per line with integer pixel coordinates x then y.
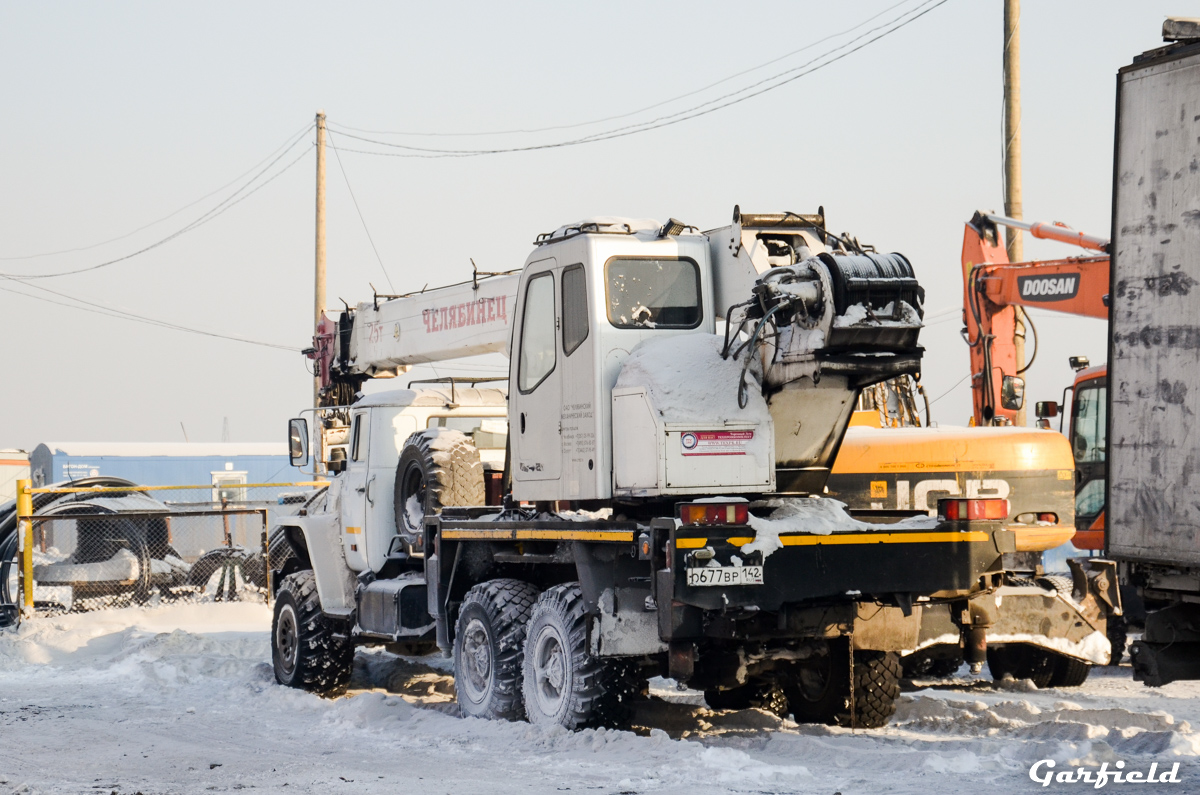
{"type": "Point", "coordinates": [992, 289]}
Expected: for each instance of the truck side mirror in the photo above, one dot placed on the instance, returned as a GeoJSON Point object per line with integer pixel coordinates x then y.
{"type": "Point", "coordinates": [1046, 409]}
{"type": "Point", "coordinates": [1012, 392]}
{"type": "Point", "coordinates": [298, 442]}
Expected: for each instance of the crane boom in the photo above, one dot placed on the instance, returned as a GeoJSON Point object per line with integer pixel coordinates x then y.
{"type": "Point", "coordinates": [384, 337]}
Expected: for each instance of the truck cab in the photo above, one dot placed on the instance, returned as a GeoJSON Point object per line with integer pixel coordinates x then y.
{"type": "Point", "coordinates": [591, 292]}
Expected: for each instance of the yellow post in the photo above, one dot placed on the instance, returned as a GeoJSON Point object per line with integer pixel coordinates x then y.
{"type": "Point", "coordinates": [24, 516]}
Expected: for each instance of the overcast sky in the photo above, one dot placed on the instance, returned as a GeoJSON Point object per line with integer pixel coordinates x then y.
{"type": "Point", "coordinates": [117, 114]}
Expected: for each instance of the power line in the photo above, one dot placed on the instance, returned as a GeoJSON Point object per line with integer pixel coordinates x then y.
{"type": "Point", "coordinates": [951, 389]}
{"type": "Point", "coordinates": [122, 315]}
{"type": "Point", "coordinates": [734, 76]}
{"type": "Point", "coordinates": [165, 217]}
{"type": "Point", "coordinates": [360, 215]}
{"type": "Point", "coordinates": [696, 111]}
{"type": "Point", "coordinates": [216, 211]}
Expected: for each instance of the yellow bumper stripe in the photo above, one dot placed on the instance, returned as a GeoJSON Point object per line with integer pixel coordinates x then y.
{"type": "Point", "coordinates": [943, 537]}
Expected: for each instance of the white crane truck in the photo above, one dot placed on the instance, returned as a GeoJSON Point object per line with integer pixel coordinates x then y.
{"type": "Point", "coordinates": [676, 398]}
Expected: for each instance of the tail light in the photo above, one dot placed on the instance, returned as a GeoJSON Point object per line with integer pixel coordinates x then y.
{"type": "Point", "coordinates": [1050, 518]}
{"type": "Point", "coordinates": [959, 510]}
{"type": "Point", "coordinates": [714, 513]}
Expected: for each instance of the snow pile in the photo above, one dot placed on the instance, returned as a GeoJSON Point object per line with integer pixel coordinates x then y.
{"type": "Point", "coordinates": [1095, 647]}
{"type": "Point", "coordinates": [814, 516]}
{"type": "Point", "coordinates": [182, 699]}
{"type": "Point", "coordinates": [121, 567]}
{"type": "Point", "coordinates": [862, 315]}
{"type": "Point", "coordinates": [688, 381]}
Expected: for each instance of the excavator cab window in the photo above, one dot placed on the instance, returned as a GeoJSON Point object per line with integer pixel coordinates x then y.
{"type": "Point", "coordinates": [646, 292]}
{"type": "Point", "coordinates": [1089, 427]}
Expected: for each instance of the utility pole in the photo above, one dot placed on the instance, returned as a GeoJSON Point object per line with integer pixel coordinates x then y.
{"type": "Point", "coordinates": [319, 291]}
{"type": "Point", "coordinates": [1012, 162]}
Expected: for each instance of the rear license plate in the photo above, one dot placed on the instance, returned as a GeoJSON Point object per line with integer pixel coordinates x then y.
{"type": "Point", "coordinates": [725, 575]}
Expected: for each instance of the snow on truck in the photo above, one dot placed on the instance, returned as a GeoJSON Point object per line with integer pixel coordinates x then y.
{"type": "Point", "coordinates": [676, 400]}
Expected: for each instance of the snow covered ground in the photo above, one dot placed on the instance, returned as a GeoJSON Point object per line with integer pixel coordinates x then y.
{"type": "Point", "coordinates": [181, 699]}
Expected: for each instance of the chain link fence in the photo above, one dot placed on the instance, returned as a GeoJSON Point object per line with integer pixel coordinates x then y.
{"type": "Point", "coordinates": [92, 548]}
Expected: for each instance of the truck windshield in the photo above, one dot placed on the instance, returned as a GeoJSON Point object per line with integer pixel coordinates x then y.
{"type": "Point", "coordinates": [652, 293]}
{"type": "Point", "coordinates": [1089, 427]}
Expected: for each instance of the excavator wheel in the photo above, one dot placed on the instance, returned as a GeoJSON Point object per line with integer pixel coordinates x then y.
{"type": "Point", "coordinates": [766, 695]}
{"type": "Point", "coordinates": [1022, 661]}
{"type": "Point", "coordinates": [1069, 672]}
{"type": "Point", "coordinates": [829, 692]}
{"type": "Point", "coordinates": [310, 650]}
{"type": "Point", "coordinates": [438, 467]}
{"type": "Point", "coordinates": [1118, 630]}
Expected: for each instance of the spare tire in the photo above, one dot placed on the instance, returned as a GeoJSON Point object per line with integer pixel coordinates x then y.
{"type": "Point", "coordinates": [438, 467]}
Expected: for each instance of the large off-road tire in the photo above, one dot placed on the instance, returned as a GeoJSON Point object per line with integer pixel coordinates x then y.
{"type": "Point", "coordinates": [822, 692]}
{"type": "Point", "coordinates": [489, 646]}
{"type": "Point", "coordinates": [564, 684]}
{"type": "Point", "coordinates": [1022, 661]}
{"type": "Point", "coordinates": [438, 467]}
{"type": "Point", "coordinates": [1118, 636]}
{"type": "Point", "coordinates": [310, 650]}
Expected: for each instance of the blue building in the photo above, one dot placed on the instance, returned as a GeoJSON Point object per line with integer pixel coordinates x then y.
{"type": "Point", "coordinates": [169, 464]}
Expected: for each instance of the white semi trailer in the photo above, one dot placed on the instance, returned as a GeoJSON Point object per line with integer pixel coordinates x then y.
{"type": "Point", "coordinates": [675, 400]}
{"type": "Point", "coordinates": [1153, 440]}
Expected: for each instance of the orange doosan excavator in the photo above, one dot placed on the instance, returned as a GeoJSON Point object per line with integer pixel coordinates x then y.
{"type": "Point", "coordinates": [993, 288]}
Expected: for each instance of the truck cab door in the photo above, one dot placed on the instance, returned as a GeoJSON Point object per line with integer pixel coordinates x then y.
{"type": "Point", "coordinates": [536, 384]}
{"type": "Point", "coordinates": [354, 492]}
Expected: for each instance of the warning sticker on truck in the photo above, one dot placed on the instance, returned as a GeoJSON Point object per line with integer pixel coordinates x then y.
{"type": "Point", "coordinates": [715, 442]}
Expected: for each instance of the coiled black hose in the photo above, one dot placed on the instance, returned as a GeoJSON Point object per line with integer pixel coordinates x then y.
{"type": "Point", "coordinates": [9, 541]}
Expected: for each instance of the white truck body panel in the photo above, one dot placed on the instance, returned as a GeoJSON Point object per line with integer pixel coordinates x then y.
{"type": "Point", "coordinates": [1154, 358]}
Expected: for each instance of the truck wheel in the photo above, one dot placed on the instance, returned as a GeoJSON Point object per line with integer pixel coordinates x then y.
{"type": "Point", "coordinates": [310, 650]}
{"type": "Point", "coordinates": [1118, 630]}
{"type": "Point", "coordinates": [489, 643]}
{"type": "Point", "coordinates": [564, 684]}
{"type": "Point", "coordinates": [821, 692]}
{"type": "Point", "coordinates": [1021, 661]}
{"type": "Point", "coordinates": [1069, 672]}
{"type": "Point", "coordinates": [438, 467]}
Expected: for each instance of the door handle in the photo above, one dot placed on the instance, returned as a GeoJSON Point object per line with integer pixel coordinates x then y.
{"type": "Point", "coordinates": [522, 422]}
{"type": "Point", "coordinates": [367, 489]}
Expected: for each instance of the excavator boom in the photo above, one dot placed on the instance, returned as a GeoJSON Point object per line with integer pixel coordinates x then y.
{"type": "Point", "coordinates": [993, 287]}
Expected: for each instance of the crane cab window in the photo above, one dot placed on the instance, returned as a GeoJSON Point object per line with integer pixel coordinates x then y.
{"type": "Point", "coordinates": [644, 292]}
{"type": "Point", "coordinates": [537, 333]}
{"type": "Point", "coordinates": [575, 308]}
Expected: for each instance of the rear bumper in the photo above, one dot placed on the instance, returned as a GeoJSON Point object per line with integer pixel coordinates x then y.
{"type": "Point", "coordinates": [950, 561]}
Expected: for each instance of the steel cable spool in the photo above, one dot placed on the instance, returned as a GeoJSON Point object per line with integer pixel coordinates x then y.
{"type": "Point", "coordinates": [873, 280]}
